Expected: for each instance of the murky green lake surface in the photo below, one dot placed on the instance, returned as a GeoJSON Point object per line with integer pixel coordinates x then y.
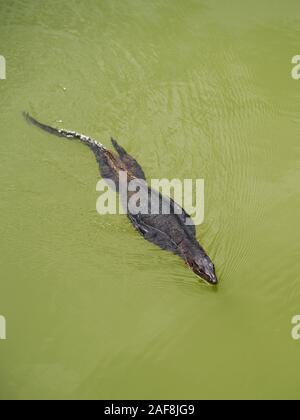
{"type": "Point", "coordinates": [193, 89]}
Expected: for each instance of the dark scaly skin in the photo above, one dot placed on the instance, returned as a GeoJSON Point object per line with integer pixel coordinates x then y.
{"type": "Point", "coordinates": [168, 231]}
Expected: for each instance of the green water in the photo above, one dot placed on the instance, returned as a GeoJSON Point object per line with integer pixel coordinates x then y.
{"type": "Point", "coordinates": [193, 89]}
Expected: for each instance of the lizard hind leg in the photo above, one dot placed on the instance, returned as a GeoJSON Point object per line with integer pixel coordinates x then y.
{"type": "Point", "coordinates": [131, 164]}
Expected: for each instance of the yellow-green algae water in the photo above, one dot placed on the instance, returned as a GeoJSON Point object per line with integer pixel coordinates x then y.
{"type": "Point", "coordinates": [193, 89]}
